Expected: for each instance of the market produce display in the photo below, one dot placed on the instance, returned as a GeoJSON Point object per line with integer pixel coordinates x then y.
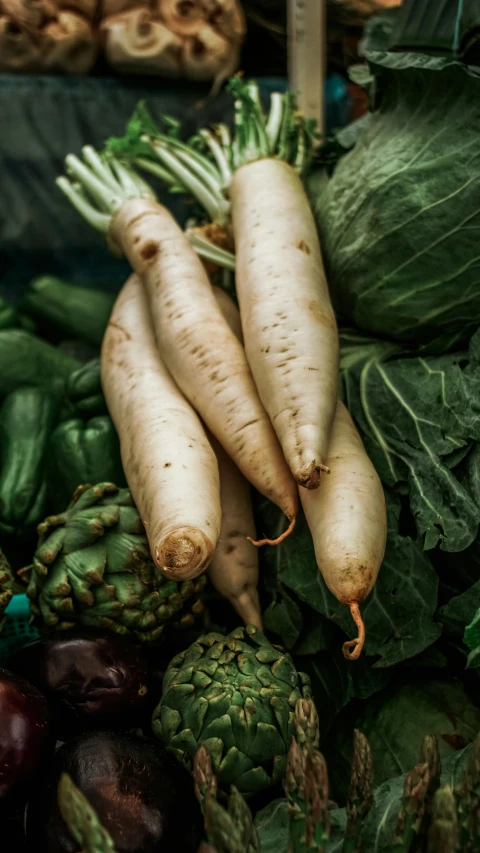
{"type": "Point", "coordinates": [176, 657]}
{"type": "Point", "coordinates": [299, 397]}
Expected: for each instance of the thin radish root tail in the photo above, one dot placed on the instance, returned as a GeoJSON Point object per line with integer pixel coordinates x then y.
{"type": "Point", "coordinates": [259, 542]}
{"type": "Point", "coordinates": [358, 643]}
{"type": "Point", "coordinates": [184, 554]}
{"type": "Point", "coordinates": [310, 479]}
{"type": "Point", "coordinates": [247, 606]}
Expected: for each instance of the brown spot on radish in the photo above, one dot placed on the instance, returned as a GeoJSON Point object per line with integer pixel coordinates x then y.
{"type": "Point", "coordinates": [229, 549]}
{"type": "Point", "coordinates": [304, 247]}
{"type": "Point", "coordinates": [149, 251]}
{"type": "Point", "coordinates": [167, 465]}
{"type": "Point", "coordinates": [126, 335]}
{"type": "Point", "coordinates": [326, 318]}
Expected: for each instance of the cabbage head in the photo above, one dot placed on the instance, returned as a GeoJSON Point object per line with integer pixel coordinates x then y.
{"type": "Point", "coordinates": [399, 217]}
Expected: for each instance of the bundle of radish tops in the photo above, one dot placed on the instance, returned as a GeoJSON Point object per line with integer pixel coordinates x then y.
{"type": "Point", "coordinates": [208, 398]}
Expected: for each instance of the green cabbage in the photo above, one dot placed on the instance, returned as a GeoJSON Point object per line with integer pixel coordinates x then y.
{"type": "Point", "coordinates": [399, 218]}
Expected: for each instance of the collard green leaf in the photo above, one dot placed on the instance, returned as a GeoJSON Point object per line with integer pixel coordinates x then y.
{"type": "Point", "coordinates": [399, 217]}
{"type": "Point", "coordinates": [283, 617]}
{"type": "Point", "coordinates": [417, 417]}
{"type": "Point", "coordinates": [395, 722]}
{"type": "Point", "coordinates": [460, 610]}
{"type": "Point", "coordinates": [472, 640]}
{"type": "Point", "coordinates": [335, 682]}
{"type": "Point", "coordinates": [272, 826]}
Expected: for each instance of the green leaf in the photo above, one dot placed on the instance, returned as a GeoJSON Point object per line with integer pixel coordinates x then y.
{"type": "Point", "coordinates": [460, 610]}
{"type": "Point", "coordinates": [283, 617]}
{"type": "Point", "coordinates": [273, 826]}
{"type": "Point", "coordinates": [399, 217]}
{"type": "Point", "coordinates": [415, 415]}
{"type": "Point", "coordinates": [439, 26]}
{"type": "Point", "coordinates": [395, 722]}
{"type": "Point", "coordinates": [472, 640]}
{"type": "Point", "coordinates": [335, 682]}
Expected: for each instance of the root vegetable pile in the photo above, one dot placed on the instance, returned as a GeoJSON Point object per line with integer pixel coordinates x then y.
{"type": "Point", "coordinates": [264, 382]}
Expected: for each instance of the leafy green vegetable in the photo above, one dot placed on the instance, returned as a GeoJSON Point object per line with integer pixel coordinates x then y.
{"type": "Point", "coordinates": [472, 639]}
{"type": "Point", "coordinates": [395, 722]}
{"type": "Point", "coordinates": [418, 417]}
{"type": "Point", "coordinates": [399, 218]}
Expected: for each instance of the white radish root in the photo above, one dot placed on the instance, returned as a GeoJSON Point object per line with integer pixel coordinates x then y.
{"type": "Point", "coordinates": [202, 354]}
{"type": "Point", "coordinates": [229, 311]}
{"type": "Point", "coordinates": [348, 522]}
{"type": "Point", "coordinates": [234, 566]}
{"type": "Point", "coordinates": [169, 463]}
{"type": "Point", "coordinates": [288, 322]}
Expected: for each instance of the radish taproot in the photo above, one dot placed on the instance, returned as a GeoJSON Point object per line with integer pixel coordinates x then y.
{"type": "Point", "coordinates": [169, 463]}
{"type": "Point", "coordinates": [348, 522]}
{"type": "Point", "coordinates": [196, 345]}
{"type": "Point", "coordinates": [289, 326]}
{"type": "Point", "coordinates": [233, 569]}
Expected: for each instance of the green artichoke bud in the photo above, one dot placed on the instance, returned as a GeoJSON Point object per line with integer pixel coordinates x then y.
{"type": "Point", "coordinates": [93, 568]}
{"type": "Point", "coordinates": [235, 694]}
{"type": "Point", "coordinates": [6, 586]}
{"type": "Point", "coordinates": [82, 822]}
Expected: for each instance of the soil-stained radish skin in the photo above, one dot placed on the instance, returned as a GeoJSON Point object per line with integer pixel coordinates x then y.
{"type": "Point", "coordinates": [169, 463]}
{"type": "Point", "coordinates": [234, 566]}
{"type": "Point", "coordinates": [199, 349]}
{"type": "Point", "coordinates": [288, 322]}
{"type": "Point", "coordinates": [348, 521]}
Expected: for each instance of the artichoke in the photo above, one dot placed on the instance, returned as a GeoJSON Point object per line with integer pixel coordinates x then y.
{"type": "Point", "coordinates": [236, 695]}
{"type": "Point", "coordinates": [93, 568]}
{"type": "Point", "coordinates": [6, 586]}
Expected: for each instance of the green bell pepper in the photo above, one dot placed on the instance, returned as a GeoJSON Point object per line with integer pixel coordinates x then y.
{"type": "Point", "coordinates": [27, 418]}
{"type": "Point", "coordinates": [83, 453]}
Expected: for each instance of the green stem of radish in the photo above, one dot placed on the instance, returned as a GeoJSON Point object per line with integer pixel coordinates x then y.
{"type": "Point", "coordinates": [207, 250]}
{"type": "Point", "coordinates": [74, 193]}
{"type": "Point", "coordinates": [212, 200]}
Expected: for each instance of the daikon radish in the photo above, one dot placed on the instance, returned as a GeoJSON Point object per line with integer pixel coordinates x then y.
{"type": "Point", "coordinates": [229, 311]}
{"type": "Point", "coordinates": [348, 522]}
{"type": "Point", "coordinates": [233, 569]}
{"type": "Point", "coordinates": [169, 463]}
{"type": "Point", "coordinates": [289, 326]}
{"type": "Point", "coordinates": [203, 356]}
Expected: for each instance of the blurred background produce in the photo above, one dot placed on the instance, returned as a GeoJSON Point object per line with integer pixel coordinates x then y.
{"type": "Point", "coordinates": [399, 727]}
